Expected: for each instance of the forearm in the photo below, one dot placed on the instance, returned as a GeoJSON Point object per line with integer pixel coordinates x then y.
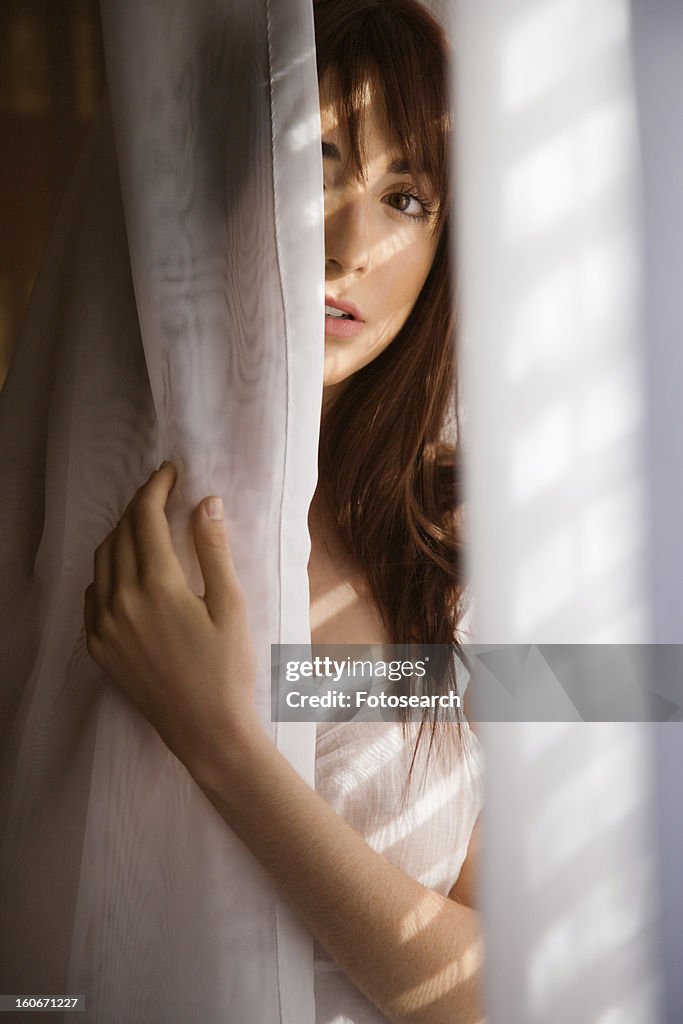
{"type": "Point", "coordinates": [188, 665]}
{"type": "Point", "coordinates": [414, 953]}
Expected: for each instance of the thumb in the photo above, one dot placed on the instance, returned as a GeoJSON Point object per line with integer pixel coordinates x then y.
{"type": "Point", "coordinates": [215, 558]}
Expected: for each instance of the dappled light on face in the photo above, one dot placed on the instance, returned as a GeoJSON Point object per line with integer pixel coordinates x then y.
{"type": "Point", "coordinates": [380, 240]}
{"type": "Point", "coordinates": [331, 99]}
{"type": "Point", "coordinates": [392, 241]}
{"type": "Point", "coordinates": [331, 115]}
{"type": "Point", "coordinates": [376, 257]}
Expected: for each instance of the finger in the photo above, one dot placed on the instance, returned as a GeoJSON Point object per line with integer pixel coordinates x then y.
{"type": "Point", "coordinates": [124, 557]}
{"type": "Point", "coordinates": [102, 573]}
{"type": "Point", "coordinates": [152, 535]}
{"type": "Point", "coordinates": [127, 534]}
{"type": "Point", "coordinates": [215, 558]}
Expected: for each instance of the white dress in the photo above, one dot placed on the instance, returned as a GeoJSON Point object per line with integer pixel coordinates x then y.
{"type": "Point", "coordinates": [360, 771]}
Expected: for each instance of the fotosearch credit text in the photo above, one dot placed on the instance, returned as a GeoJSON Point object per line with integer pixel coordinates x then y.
{"type": "Point", "coordinates": [363, 682]}
{"type": "Point", "coordinates": [337, 698]}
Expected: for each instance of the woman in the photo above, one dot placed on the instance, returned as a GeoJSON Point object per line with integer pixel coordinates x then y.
{"type": "Point", "coordinates": [384, 567]}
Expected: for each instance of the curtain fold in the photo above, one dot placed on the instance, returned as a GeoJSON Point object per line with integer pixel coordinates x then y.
{"type": "Point", "coordinates": [178, 315]}
{"type": "Point", "coordinates": [657, 43]}
{"type": "Point", "coordinates": [550, 258]}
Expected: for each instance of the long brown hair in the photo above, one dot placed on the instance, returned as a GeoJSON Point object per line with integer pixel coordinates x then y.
{"type": "Point", "coordinates": [389, 476]}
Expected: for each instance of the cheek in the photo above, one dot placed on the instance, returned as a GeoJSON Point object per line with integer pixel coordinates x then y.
{"type": "Point", "coordinates": [406, 275]}
{"type": "Point", "coordinates": [397, 283]}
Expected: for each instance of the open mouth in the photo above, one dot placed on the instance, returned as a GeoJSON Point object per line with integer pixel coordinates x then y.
{"type": "Point", "coordinates": [342, 323]}
{"type": "Point", "coordinates": [338, 314]}
{"type": "Point", "coordinates": [343, 319]}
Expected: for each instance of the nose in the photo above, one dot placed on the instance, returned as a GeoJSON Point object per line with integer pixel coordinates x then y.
{"type": "Point", "coordinates": [347, 245]}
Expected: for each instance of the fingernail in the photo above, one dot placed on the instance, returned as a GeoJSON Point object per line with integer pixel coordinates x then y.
{"type": "Point", "coordinates": [214, 508]}
{"type": "Point", "coordinates": [164, 463]}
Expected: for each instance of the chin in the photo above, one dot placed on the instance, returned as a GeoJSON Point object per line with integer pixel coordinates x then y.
{"type": "Point", "coordinates": [333, 386]}
{"type": "Point", "coordinates": [336, 372]}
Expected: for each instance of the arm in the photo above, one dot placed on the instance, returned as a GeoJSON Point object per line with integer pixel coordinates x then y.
{"type": "Point", "coordinates": [414, 953]}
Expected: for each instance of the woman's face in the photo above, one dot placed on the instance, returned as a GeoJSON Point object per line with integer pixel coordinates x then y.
{"type": "Point", "coordinates": [380, 242]}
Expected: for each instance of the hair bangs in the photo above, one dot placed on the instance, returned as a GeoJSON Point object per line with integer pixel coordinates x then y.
{"type": "Point", "coordinates": [395, 50]}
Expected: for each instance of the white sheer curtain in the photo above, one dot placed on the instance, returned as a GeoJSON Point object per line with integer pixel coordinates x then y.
{"type": "Point", "coordinates": [550, 266]}
{"type": "Point", "coordinates": [178, 315]}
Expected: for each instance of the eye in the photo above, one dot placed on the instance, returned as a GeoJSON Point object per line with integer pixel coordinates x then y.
{"type": "Point", "coordinates": [410, 204]}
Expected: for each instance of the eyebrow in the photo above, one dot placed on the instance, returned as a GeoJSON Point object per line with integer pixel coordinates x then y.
{"type": "Point", "coordinates": [331, 152]}
{"type": "Point", "coordinates": [399, 166]}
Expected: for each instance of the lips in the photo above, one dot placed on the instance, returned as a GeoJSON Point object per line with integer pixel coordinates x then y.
{"type": "Point", "coordinates": [342, 319]}
{"type": "Point", "coordinates": [337, 327]}
{"type": "Point", "coordinates": [346, 309]}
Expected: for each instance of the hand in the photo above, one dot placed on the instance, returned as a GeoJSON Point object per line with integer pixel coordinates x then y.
{"type": "Point", "coordinates": [186, 662]}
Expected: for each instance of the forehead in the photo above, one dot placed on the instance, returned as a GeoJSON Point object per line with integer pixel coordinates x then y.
{"type": "Point", "coordinates": [367, 102]}
{"type": "Point", "coordinates": [373, 130]}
